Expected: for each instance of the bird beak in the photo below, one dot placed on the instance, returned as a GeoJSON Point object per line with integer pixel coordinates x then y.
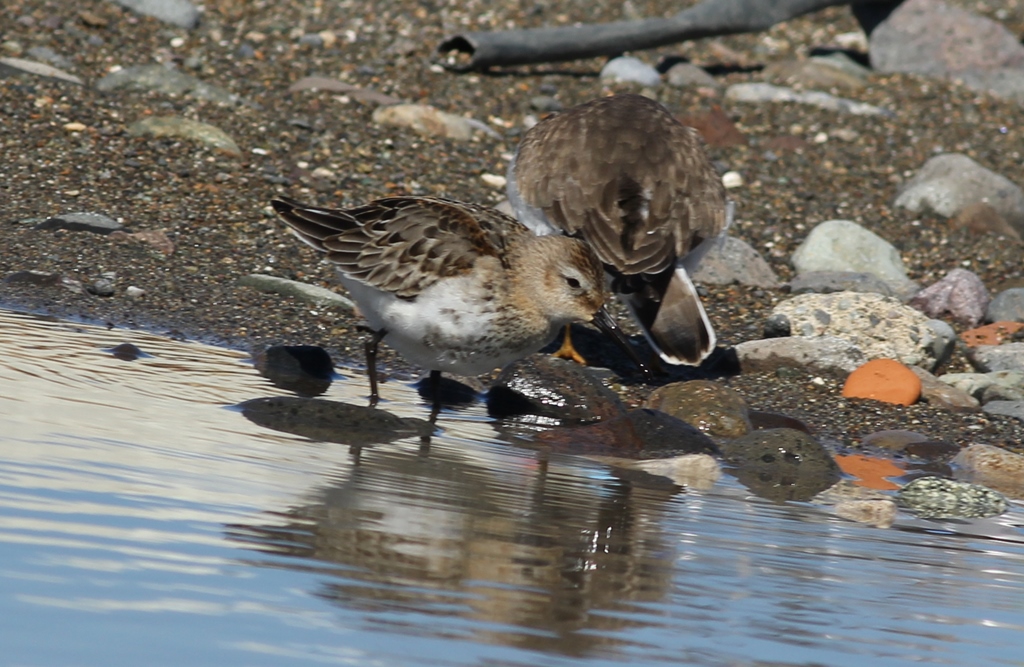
{"type": "Point", "coordinates": [603, 321]}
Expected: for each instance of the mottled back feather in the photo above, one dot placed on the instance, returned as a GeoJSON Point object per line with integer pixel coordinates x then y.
{"type": "Point", "coordinates": [622, 173]}
{"type": "Point", "coordinates": [404, 244]}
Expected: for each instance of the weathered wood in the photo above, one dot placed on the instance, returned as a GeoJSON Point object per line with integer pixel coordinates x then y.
{"type": "Point", "coordinates": [710, 18]}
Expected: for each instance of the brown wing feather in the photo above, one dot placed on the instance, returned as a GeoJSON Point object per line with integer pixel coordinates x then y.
{"type": "Point", "coordinates": [595, 168]}
{"type": "Point", "coordinates": [403, 244]}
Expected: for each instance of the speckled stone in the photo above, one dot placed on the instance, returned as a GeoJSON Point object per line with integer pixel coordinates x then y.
{"type": "Point", "coordinates": [937, 498]}
{"type": "Point", "coordinates": [882, 327]}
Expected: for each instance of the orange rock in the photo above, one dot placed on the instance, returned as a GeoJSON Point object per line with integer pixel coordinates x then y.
{"type": "Point", "coordinates": [870, 471]}
{"type": "Point", "coordinates": [884, 380]}
{"type": "Point", "coordinates": [991, 334]}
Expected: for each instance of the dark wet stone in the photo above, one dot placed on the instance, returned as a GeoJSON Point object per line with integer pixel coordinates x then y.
{"type": "Point", "coordinates": [305, 369]}
{"type": "Point", "coordinates": [449, 391]}
{"type": "Point", "coordinates": [827, 282]}
{"type": "Point", "coordinates": [711, 407]}
{"type": "Point", "coordinates": [1007, 306]}
{"type": "Point", "coordinates": [332, 421]}
{"type": "Point", "coordinates": [895, 440]}
{"type": "Point", "coordinates": [937, 498]}
{"type": "Point", "coordinates": [781, 464]}
{"type": "Point", "coordinates": [127, 352]}
{"type": "Point", "coordinates": [81, 221]}
{"type": "Point", "coordinates": [639, 434]}
{"type": "Point", "coordinates": [550, 387]}
{"type": "Point", "coordinates": [33, 278]}
{"type": "Point", "coordinates": [767, 420]}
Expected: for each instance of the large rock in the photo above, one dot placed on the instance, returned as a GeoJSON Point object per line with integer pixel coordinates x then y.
{"type": "Point", "coordinates": [932, 38]}
{"type": "Point", "coordinates": [734, 260]}
{"type": "Point", "coordinates": [882, 327]}
{"type": "Point", "coordinates": [842, 245]}
{"type": "Point", "coordinates": [950, 182]}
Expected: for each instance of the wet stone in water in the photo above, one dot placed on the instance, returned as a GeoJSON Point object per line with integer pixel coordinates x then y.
{"type": "Point", "coordinates": [305, 369]}
{"type": "Point", "coordinates": [781, 464]}
{"type": "Point", "coordinates": [550, 387]}
{"type": "Point", "coordinates": [127, 352]}
{"type": "Point", "coordinates": [709, 406]}
{"type": "Point", "coordinates": [937, 498]}
{"type": "Point", "coordinates": [639, 434]}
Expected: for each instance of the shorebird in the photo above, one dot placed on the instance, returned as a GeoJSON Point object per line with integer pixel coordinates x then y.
{"type": "Point", "coordinates": [623, 174]}
{"type": "Point", "coordinates": [455, 287]}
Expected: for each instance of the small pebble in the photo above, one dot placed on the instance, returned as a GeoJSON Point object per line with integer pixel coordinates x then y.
{"type": "Point", "coordinates": [732, 179]}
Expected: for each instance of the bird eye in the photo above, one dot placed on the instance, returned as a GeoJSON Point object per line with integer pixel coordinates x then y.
{"type": "Point", "coordinates": [574, 283]}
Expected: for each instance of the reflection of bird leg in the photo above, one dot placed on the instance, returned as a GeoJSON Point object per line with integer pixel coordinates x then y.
{"type": "Point", "coordinates": [371, 363]}
{"type": "Point", "coordinates": [435, 391]}
{"type": "Point", "coordinates": [567, 351]}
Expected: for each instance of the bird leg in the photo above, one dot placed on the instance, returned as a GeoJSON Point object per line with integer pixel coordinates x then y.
{"type": "Point", "coordinates": [371, 363]}
{"type": "Point", "coordinates": [567, 351]}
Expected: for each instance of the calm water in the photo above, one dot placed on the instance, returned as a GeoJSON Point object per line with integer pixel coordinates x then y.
{"type": "Point", "coordinates": [144, 522]}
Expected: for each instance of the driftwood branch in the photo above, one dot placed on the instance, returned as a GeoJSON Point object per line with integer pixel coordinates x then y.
{"type": "Point", "coordinates": [710, 18]}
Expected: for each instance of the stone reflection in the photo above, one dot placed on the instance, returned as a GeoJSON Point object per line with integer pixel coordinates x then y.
{"type": "Point", "coordinates": [537, 555]}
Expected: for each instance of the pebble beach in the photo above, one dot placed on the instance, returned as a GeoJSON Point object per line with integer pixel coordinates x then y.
{"type": "Point", "coordinates": [269, 99]}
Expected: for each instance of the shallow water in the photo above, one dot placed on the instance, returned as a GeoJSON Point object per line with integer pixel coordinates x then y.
{"type": "Point", "coordinates": [144, 521]}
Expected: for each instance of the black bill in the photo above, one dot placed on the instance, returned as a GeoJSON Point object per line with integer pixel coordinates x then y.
{"type": "Point", "coordinates": [603, 321]}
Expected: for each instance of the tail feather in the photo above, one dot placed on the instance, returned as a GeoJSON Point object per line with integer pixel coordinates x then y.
{"type": "Point", "coordinates": [678, 328]}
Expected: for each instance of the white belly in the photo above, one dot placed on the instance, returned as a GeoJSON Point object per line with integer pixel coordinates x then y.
{"type": "Point", "coordinates": [450, 327]}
